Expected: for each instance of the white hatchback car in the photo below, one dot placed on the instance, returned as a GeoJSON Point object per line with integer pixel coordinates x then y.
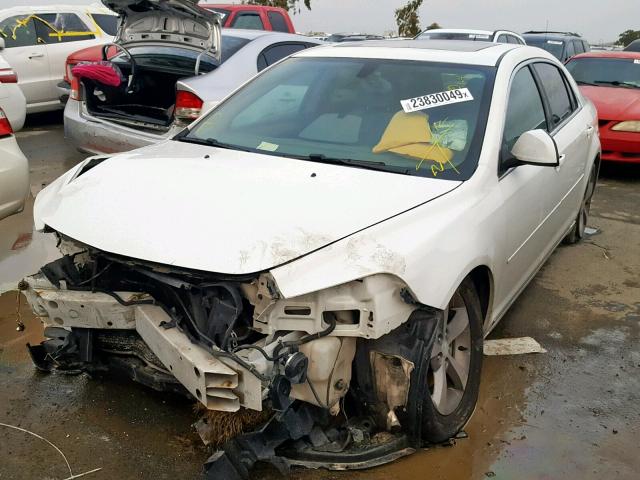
{"type": "Point", "coordinates": [36, 42]}
{"type": "Point", "coordinates": [337, 235]}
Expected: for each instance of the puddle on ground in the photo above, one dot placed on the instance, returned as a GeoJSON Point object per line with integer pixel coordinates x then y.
{"type": "Point", "coordinates": [14, 308]}
{"type": "Point", "coordinates": [22, 250]}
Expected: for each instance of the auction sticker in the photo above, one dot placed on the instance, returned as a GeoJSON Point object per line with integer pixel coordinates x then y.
{"type": "Point", "coordinates": [439, 99]}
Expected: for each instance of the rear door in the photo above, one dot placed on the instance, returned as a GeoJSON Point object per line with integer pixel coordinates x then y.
{"type": "Point", "coordinates": [64, 33]}
{"type": "Point", "coordinates": [522, 190]}
{"type": "Point", "coordinates": [570, 126]}
{"type": "Point", "coordinates": [26, 52]}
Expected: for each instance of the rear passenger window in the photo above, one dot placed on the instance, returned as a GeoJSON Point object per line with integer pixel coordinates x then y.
{"type": "Point", "coordinates": [274, 54]}
{"type": "Point", "coordinates": [108, 23]}
{"type": "Point", "coordinates": [578, 46]}
{"type": "Point", "coordinates": [278, 22]}
{"type": "Point", "coordinates": [503, 39]}
{"type": "Point", "coordinates": [570, 50]}
{"type": "Point", "coordinates": [62, 27]}
{"type": "Point", "coordinates": [513, 40]}
{"type": "Point", "coordinates": [525, 110]}
{"type": "Point", "coordinates": [248, 20]}
{"type": "Point", "coordinates": [555, 88]}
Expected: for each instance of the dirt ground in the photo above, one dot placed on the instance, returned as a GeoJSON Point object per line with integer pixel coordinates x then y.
{"type": "Point", "coordinates": [571, 413]}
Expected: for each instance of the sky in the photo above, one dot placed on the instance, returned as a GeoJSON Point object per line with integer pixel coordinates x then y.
{"type": "Point", "coordinates": [597, 20]}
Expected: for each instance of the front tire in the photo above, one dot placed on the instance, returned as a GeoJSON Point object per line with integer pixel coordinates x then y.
{"type": "Point", "coordinates": [447, 384]}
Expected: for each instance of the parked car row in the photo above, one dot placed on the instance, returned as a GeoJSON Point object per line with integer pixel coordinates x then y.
{"type": "Point", "coordinates": [187, 79]}
{"type": "Point", "coordinates": [36, 42]}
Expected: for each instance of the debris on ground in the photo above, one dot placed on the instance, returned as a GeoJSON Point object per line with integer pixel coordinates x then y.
{"type": "Point", "coordinates": [71, 474]}
{"type": "Point", "coordinates": [215, 428]}
{"type": "Point", "coordinates": [512, 346]}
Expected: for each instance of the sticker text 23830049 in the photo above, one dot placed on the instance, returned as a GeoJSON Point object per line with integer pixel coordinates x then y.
{"type": "Point", "coordinates": [436, 100]}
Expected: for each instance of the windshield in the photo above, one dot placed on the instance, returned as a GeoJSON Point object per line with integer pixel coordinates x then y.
{"type": "Point", "coordinates": [108, 23]}
{"type": "Point", "coordinates": [435, 35]}
{"type": "Point", "coordinates": [608, 72]}
{"type": "Point", "coordinates": [554, 47]}
{"type": "Point", "coordinates": [415, 118]}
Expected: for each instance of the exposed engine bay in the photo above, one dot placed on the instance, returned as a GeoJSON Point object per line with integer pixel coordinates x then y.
{"type": "Point", "coordinates": [336, 368]}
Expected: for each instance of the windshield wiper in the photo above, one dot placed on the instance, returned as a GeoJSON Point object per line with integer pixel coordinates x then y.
{"type": "Point", "coordinates": [210, 142]}
{"type": "Point", "coordinates": [616, 83]}
{"type": "Point", "coordinates": [350, 162]}
{"type": "Point", "coordinates": [582, 82]}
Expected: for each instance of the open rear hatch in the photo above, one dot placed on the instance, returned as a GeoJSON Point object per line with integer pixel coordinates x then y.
{"type": "Point", "coordinates": [159, 43]}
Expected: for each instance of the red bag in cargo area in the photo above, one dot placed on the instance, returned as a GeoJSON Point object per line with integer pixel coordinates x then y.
{"type": "Point", "coordinates": [103, 72]}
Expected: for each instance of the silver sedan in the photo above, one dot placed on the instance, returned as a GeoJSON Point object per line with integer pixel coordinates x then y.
{"type": "Point", "coordinates": [164, 95]}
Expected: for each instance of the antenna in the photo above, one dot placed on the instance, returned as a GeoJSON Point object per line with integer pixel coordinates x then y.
{"type": "Point", "coordinates": [546, 29]}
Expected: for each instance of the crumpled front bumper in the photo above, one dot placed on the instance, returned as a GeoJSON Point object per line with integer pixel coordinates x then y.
{"type": "Point", "coordinates": [217, 383]}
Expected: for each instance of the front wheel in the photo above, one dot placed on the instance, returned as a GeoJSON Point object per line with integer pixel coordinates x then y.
{"type": "Point", "coordinates": [448, 393]}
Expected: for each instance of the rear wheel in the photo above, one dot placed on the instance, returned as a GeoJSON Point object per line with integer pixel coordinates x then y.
{"type": "Point", "coordinates": [577, 232]}
{"type": "Point", "coordinates": [449, 391]}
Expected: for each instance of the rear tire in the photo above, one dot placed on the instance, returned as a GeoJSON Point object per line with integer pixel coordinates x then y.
{"type": "Point", "coordinates": [445, 387]}
{"type": "Point", "coordinates": [577, 232]}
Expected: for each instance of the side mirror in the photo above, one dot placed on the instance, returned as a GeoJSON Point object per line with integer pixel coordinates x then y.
{"type": "Point", "coordinates": [2, 44]}
{"type": "Point", "coordinates": [536, 147]}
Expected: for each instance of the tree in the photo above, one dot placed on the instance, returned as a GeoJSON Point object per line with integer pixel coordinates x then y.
{"type": "Point", "coordinates": [408, 20]}
{"type": "Point", "coordinates": [625, 38]}
{"type": "Point", "coordinates": [434, 26]}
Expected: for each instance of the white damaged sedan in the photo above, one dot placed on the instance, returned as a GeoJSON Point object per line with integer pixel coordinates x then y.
{"type": "Point", "coordinates": [338, 235]}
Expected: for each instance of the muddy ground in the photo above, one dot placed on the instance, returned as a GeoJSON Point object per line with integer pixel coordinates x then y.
{"type": "Point", "coordinates": [572, 413]}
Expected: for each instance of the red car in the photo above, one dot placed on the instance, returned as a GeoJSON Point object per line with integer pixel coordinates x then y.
{"type": "Point", "coordinates": [611, 80]}
{"type": "Point", "coordinates": [253, 17]}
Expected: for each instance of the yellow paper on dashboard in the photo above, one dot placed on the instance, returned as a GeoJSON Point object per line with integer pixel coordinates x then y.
{"type": "Point", "coordinates": [404, 129]}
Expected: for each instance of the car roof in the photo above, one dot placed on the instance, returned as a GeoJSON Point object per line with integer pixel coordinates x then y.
{"type": "Point", "coordinates": [462, 51]}
{"type": "Point", "coordinates": [93, 8]}
{"type": "Point", "coordinates": [253, 34]}
{"type": "Point", "coordinates": [551, 35]}
{"type": "Point", "coordinates": [609, 54]}
{"type": "Point", "coordinates": [235, 6]}
{"type": "Point", "coordinates": [460, 30]}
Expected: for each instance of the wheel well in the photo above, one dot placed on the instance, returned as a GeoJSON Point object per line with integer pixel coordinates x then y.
{"type": "Point", "coordinates": [483, 283]}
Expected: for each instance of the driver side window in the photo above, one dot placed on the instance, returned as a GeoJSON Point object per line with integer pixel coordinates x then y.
{"type": "Point", "coordinates": [525, 112]}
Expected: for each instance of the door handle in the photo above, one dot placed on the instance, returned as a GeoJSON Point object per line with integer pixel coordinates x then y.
{"type": "Point", "coordinates": [36, 55]}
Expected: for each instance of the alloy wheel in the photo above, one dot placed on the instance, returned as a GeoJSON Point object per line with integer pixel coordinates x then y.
{"type": "Point", "coordinates": [450, 358]}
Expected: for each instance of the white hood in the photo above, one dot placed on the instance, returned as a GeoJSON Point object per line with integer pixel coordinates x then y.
{"type": "Point", "coordinates": [232, 213]}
